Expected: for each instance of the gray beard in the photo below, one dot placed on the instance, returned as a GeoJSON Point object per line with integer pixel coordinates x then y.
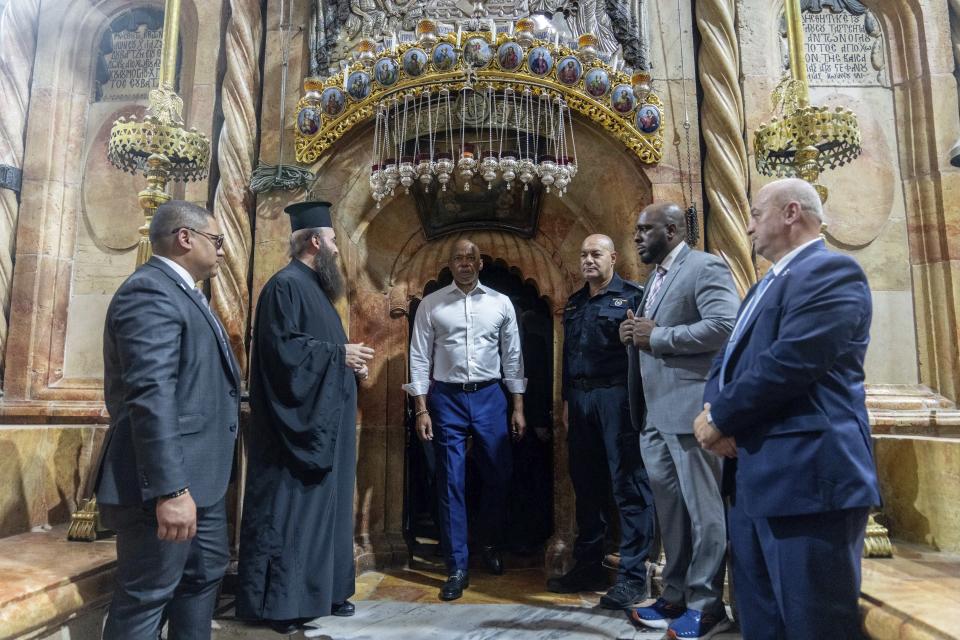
{"type": "Point", "coordinates": [328, 273]}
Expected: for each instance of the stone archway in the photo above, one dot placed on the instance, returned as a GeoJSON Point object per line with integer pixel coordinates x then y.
{"type": "Point", "coordinates": [388, 259]}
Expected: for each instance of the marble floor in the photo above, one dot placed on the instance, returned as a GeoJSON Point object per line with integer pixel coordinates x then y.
{"type": "Point", "coordinates": [403, 604]}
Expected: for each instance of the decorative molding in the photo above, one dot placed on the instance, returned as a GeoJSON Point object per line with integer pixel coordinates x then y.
{"type": "Point", "coordinates": [725, 171]}
{"type": "Point", "coordinates": [236, 157]}
{"type": "Point", "coordinates": [351, 112]}
{"type": "Point", "coordinates": [18, 33]}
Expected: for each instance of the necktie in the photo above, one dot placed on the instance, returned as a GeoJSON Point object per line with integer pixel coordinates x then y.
{"type": "Point", "coordinates": [742, 319]}
{"type": "Point", "coordinates": [206, 305]}
{"type": "Point", "coordinates": [654, 290]}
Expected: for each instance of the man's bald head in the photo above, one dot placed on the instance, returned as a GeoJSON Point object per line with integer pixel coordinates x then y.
{"type": "Point", "coordinates": [784, 215]}
{"type": "Point", "coordinates": [465, 264]}
{"type": "Point", "coordinates": [597, 257]}
{"type": "Point", "coordinates": [782, 192]}
{"type": "Point", "coordinates": [599, 240]}
{"type": "Point", "coordinates": [464, 246]}
{"type": "Point", "coordinates": [661, 226]}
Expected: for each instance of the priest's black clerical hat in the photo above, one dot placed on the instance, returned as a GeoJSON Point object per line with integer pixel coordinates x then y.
{"type": "Point", "coordinates": [309, 215]}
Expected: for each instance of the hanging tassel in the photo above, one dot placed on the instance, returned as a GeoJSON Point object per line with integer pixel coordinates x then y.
{"type": "Point", "coordinates": [693, 226]}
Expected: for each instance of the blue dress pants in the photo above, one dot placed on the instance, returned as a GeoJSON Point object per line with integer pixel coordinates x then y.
{"type": "Point", "coordinates": [798, 577]}
{"type": "Point", "coordinates": [483, 414]}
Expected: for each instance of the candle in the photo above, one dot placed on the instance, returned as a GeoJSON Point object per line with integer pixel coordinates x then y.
{"type": "Point", "coordinates": [344, 77]}
{"type": "Point", "coordinates": [510, 29]}
{"type": "Point", "coordinates": [493, 29]}
{"type": "Point", "coordinates": [459, 31]}
{"type": "Point", "coordinates": [394, 41]}
{"type": "Point", "coordinates": [556, 39]}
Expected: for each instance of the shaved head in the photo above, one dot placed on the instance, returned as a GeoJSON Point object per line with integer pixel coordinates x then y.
{"type": "Point", "coordinates": [464, 246]}
{"type": "Point", "coordinates": [782, 192]}
{"type": "Point", "coordinates": [599, 240]}
{"type": "Point", "coordinates": [784, 215]}
{"type": "Point", "coordinates": [597, 257]}
{"type": "Point", "coordinates": [660, 228]}
{"type": "Point", "coordinates": [465, 264]}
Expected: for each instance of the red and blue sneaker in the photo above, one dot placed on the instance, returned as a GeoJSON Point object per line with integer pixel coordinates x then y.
{"type": "Point", "coordinates": [697, 625]}
{"type": "Point", "coordinates": [658, 615]}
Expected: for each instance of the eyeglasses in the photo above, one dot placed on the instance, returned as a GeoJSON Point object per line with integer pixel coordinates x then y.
{"type": "Point", "coordinates": [216, 239]}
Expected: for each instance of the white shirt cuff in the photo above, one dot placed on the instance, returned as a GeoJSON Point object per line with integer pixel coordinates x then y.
{"type": "Point", "coordinates": [417, 388]}
{"type": "Point", "coordinates": [515, 385]}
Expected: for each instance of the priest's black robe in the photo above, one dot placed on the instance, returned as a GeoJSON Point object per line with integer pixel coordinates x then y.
{"type": "Point", "coordinates": [296, 536]}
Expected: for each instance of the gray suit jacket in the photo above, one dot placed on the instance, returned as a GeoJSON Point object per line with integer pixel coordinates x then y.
{"type": "Point", "coordinates": [694, 311]}
{"type": "Point", "coordinates": [172, 388]}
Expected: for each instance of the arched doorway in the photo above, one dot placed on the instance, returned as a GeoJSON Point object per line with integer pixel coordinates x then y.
{"type": "Point", "coordinates": [530, 519]}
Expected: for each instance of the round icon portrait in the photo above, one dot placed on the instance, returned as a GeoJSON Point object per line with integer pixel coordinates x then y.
{"type": "Point", "coordinates": [622, 99]}
{"type": "Point", "coordinates": [509, 56]}
{"type": "Point", "coordinates": [569, 70]}
{"type": "Point", "coordinates": [332, 101]}
{"type": "Point", "coordinates": [477, 52]}
{"type": "Point", "coordinates": [358, 85]}
{"type": "Point", "coordinates": [386, 71]}
{"type": "Point", "coordinates": [308, 121]}
{"type": "Point", "coordinates": [414, 62]}
{"type": "Point", "coordinates": [444, 56]}
{"type": "Point", "coordinates": [648, 118]}
{"type": "Point", "coordinates": [597, 83]}
{"type": "Point", "coordinates": [540, 61]}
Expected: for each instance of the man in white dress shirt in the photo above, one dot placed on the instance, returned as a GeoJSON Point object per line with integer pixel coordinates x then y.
{"type": "Point", "coordinates": [465, 343]}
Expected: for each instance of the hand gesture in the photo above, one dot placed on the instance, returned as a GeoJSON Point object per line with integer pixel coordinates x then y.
{"type": "Point", "coordinates": [626, 330]}
{"type": "Point", "coordinates": [362, 373]}
{"type": "Point", "coordinates": [711, 438]}
{"type": "Point", "coordinates": [176, 518]}
{"type": "Point", "coordinates": [642, 328]}
{"type": "Point", "coordinates": [358, 355]}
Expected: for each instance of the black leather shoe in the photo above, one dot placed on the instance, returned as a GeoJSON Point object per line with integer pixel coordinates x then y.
{"type": "Point", "coordinates": [343, 609]}
{"type": "Point", "coordinates": [285, 627]}
{"type": "Point", "coordinates": [583, 577]}
{"type": "Point", "coordinates": [492, 560]}
{"type": "Point", "coordinates": [454, 586]}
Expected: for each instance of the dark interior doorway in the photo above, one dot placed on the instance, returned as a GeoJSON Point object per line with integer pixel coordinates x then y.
{"type": "Point", "coordinates": [531, 495]}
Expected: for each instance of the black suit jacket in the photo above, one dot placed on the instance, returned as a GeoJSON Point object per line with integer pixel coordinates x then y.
{"type": "Point", "coordinates": [172, 388]}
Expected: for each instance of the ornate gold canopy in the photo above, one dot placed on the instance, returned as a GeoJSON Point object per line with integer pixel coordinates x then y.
{"type": "Point", "coordinates": [333, 106]}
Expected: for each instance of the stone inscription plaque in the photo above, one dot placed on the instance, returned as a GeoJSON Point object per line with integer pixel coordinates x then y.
{"type": "Point", "coordinates": [843, 49]}
{"type": "Point", "coordinates": [134, 64]}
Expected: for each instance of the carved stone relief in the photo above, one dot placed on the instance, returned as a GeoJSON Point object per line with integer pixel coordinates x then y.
{"type": "Point", "coordinates": [844, 44]}
{"type": "Point", "coordinates": [338, 25]}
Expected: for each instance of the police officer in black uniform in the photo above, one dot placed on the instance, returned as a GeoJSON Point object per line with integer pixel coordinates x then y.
{"type": "Point", "coordinates": [603, 446]}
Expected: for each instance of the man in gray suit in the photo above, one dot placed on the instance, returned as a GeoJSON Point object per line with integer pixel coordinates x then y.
{"type": "Point", "coordinates": [171, 386]}
{"type": "Point", "coordinates": [685, 316]}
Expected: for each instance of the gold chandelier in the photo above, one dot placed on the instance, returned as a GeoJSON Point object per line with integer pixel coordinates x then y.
{"type": "Point", "coordinates": [473, 109]}
{"type": "Point", "coordinates": [807, 139]}
{"type": "Point", "coordinates": [159, 146]}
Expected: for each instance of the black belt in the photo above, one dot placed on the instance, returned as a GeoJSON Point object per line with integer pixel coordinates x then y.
{"type": "Point", "coordinates": [468, 387]}
{"type": "Point", "coordinates": [587, 384]}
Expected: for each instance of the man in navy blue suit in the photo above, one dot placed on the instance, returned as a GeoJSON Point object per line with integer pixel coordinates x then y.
{"type": "Point", "coordinates": [785, 404]}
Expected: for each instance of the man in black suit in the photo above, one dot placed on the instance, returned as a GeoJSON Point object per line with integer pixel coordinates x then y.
{"type": "Point", "coordinates": [171, 386]}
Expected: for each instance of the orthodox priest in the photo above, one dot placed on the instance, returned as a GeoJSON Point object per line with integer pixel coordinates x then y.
{"type": "Point", "coordinates": [296, 537]}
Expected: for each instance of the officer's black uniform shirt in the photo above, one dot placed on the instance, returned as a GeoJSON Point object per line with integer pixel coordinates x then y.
{"type": "Point", "coordinates": [591, 330]}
